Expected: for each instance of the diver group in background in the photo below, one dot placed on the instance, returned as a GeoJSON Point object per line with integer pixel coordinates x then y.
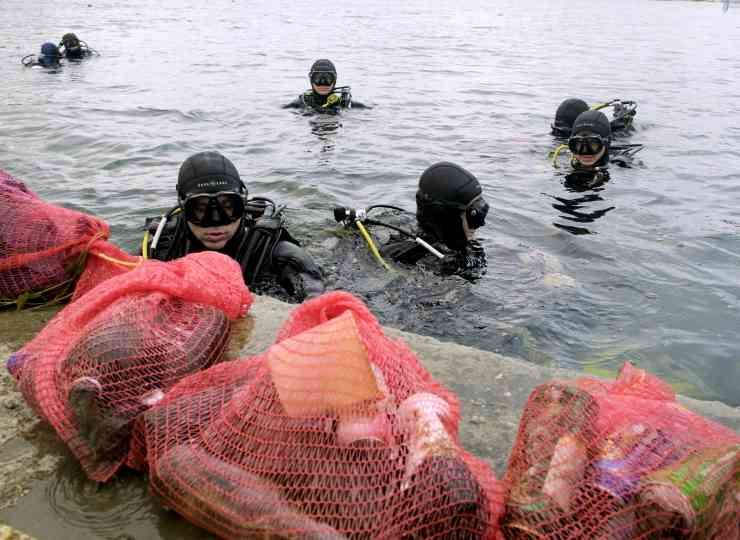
{"type": "Point", "coordinates": [214, 212]}
{"type": "Point", "coordinates": [588, 134]}
{"type": "Point", "coordinates": [70, 48]}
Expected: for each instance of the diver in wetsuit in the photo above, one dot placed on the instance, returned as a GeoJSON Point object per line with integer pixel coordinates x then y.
{"type": "Point", "coordinates": [449, 208]}
{"type": "Point", "coordinates": [590, 140]}
{"type": "Point", "coordinates": [324, 95]}
{"type": "Point", "coordinates": [591, 147]}
{"type": "Point", "coordinates": [48, 58]}
{"type": "Point", "coordinates": [213, 213]}
{"type": "Point", "coordinates": [623, 115]}
{"type": "Point", "coordinates": [73, 48]}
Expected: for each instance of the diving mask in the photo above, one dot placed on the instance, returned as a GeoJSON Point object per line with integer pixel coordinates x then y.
{"type": "Point", "coordinates": [213, 209]}
{"type": "Point", "coordinates": [476, 212]}
{"type": "Point", "coordinates": [586, 145]}
{"type": "Point", "coordinates": [323, 78]}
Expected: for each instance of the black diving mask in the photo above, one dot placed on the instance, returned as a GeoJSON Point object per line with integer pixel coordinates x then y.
{"type": "Point", "coordinates": [323, 78]}
{"type": "Point", "coordinates": [213, 209]}
{"type": "Point", "coordinates": [586, 145]}
{"type": "Point", "coordinates": [560, 130]}
{"type": "Point", "coordinates": [476, 212]}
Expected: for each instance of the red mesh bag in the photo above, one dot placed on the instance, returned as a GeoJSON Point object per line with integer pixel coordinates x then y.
{"type": "Point", "coordinates": [103, 262]}
{"type": "Point", "coordinates": [41, 245]}
{"type": "Point", "coordinates": [113, 353]}
{"type": "Point", "coordinates": [335, 432]}
{"type": "Point", "coordinates": [620, 460]}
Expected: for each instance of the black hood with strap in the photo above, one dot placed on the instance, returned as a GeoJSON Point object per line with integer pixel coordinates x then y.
{"type": "Point", "coordinates": [445, 191]}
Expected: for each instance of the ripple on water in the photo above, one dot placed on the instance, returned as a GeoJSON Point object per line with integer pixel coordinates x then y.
{"type": "Point", "coordinates": [105, 509]}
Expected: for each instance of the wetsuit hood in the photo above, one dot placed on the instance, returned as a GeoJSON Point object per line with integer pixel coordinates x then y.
{"type": "Point", "coordinates": [566, 114]}
{"type": "Point", "coordinates": [445, 191]}
{"type": "Point", "coordinates": [72, 45]}
{"type": "Point", "coordinates": [49, 54]}
{"type": "Point", "coordinates": [208, 172]}
{"type": "Point", "coordinates": [322, 65]}
{"type": "Point", "coordinates": [595, 122]}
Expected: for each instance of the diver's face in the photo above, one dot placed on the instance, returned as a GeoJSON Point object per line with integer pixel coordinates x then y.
{"type": "Point", "coordinates": [590, 161]}
{"type": "Point", "coordinates": [323, 82]}
{"type": "Point", "coordinates": [587, 147]}
{"type": "Point", "coordinates": [322, 90]}
{"type": "Point", "coordinates": [215, 237]}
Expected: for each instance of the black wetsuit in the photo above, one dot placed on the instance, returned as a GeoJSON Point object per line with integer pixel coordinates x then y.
{"type": "Point", "coordinates": [272, 260]}
{"type": "Point", "coordinates": [340, 99]}
{"type": "Point", "coordinates": [77, 54]}
{"type": "Point", "coordinates": [469, 262]}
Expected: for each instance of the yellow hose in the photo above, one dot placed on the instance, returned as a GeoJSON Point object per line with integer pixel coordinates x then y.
{"type": "Point", "coordinates": [555, 153]}
{"type": "Point", "coordinates": [117, 261]}
{"type": "Point", "coordinates": [145, 245]}
{"type": "Point", "coordinates": [371, 244]}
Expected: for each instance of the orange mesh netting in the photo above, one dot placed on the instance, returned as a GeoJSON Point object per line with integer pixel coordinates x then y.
{"type": "Point", "coordinates": [335, 432]}
{"type": "Point", "coordinates": [113, 353]}
{"type": "Point", "coordinates": [620, 460]}
{"type": "Point", "coordinates": [104, 261]}
{"type": "Point", "coordinates": [40, 244]}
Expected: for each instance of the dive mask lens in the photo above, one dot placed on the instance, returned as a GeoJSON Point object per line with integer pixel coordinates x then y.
{"type": "Point", "coordinates": [560, 130]}
{"type": "Point", "coordinates": [476, 213]}
{"type": "Point", "coordinates": [586, 145]}
{"type": "Point", "coordinates": [213, 209]}
{"type": "Point", "coordinates": [323, 78]}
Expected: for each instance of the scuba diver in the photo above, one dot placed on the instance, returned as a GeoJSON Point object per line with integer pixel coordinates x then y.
{"type": "Point", "coordinates": [623, 114]}
{"type": "Point", "coordinates": [214, 213]}
{"type": "Point", "coordinates": [48, 58]}
{"type": "Point", "coordinates": [449, 208]}
{"type": "Point", "coordinates": [591, 148]}
{"type": "Point", "coordinates": [589, 141]}
{"type": "Point", "coordinates": [324, 95]}
{"type": "Point", "coordinates": [73, 48]}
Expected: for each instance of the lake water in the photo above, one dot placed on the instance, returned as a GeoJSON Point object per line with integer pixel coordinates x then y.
{"type": "Point", "coordinates": [655, 279]}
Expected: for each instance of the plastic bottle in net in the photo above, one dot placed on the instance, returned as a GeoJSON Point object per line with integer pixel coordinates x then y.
{"type": "Point", "coordinates": [335, 432]}
{"type": "Point", "coordinates": [41, 245]}
{"type": "Point", "coordinates": [620, 460]}
{"type": "Point", "coordinates": [112, 354]}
